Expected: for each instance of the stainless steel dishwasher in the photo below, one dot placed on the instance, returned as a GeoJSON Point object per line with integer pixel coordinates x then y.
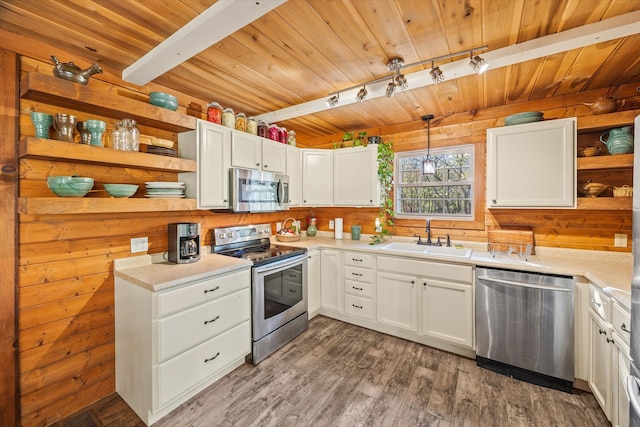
{"type": "Point", "coordinates": [524, 326]}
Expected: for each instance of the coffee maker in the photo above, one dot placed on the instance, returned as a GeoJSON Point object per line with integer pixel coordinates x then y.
{"type": "Point", "coordinates": [184, 242]}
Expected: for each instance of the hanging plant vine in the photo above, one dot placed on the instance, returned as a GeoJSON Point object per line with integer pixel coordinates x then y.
{"type": "Point", "coordinates": [385, 175]}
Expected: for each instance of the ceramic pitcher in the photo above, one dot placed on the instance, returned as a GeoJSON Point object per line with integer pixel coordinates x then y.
{"type": "Point", "coordinates": [619, 140]}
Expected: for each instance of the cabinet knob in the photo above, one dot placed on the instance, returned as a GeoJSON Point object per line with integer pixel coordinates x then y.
{"type": "Point", "coordinates": [494, 201]}
{"type": "Point", "coordinates": [413, 282]}
{"type": "Point", "coordinates": [266, 166]}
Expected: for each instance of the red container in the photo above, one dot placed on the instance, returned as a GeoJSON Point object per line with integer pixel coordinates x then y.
{"type": "Point", "coordinates": [214, 113]}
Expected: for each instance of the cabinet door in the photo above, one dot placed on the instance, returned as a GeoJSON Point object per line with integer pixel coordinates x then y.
{"type": "Point", "coordinates": [317, 177]}
{"type": "Point", "coordinates": [600, 352]}
{"type": "Point", "coordinates": [355, 176]}
{"type": "Point", "coordinates": [246, 150]}
{"type": "Point", "coordinates": [396, 301]}
{"type": "Point", "coordinates": [447, 311]}
{"type": "Point", "coordinates": [331, 280]}
{"type": "Point", "coordinates": [532, 165]}
{"type": "Point", "coordinates": [214, 144]}
{"type": "Point", "coordinates": [274, 156]}
{"type": "Point", "coordinates": [313, 282]}
{"type": "Point", "coordinates": [620, 406]}
{"type": "Point", "coordinates": [294, 171]}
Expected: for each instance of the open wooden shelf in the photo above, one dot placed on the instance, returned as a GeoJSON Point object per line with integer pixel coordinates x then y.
{"type": "Point", "coordinates": [602, 122]}
{"type": "Point", "coordinates": [604, 203]}
{"type": "Point", "coordinates": [86, 205]}
{"type": "Point", "coordinates": [38, 148]}
{"type": "Point", "coordinates": [63, 93]}
{"type": "Point", "coordinates": [618, 161]}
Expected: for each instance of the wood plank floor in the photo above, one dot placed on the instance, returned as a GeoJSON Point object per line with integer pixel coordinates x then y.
{"type": "Point", "coordinates": [337, 374]}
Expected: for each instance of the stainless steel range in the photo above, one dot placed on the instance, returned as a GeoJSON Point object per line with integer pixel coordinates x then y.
{"type": "Point", "coordinates": [278, 285]}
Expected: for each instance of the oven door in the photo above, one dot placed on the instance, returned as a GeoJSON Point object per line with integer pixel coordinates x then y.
{"type": "Point", "coordinates": [258, 191]}
{"type": "Point", "coordinates": [279, 294]}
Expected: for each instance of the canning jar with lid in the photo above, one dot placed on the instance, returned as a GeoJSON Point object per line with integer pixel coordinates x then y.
{"type": "Point", "coordinates": [291, 138]}
{"type": "Point", "coordinates": [252, 126]}
{"type": "Point", "coordinates": [263, 129]}
{"type": "Point", "coordinates": [274, 133]}
{"type": "Point", "coordinates": [228, 118]}
{"type": "Point", "coordinates": [214, 113]}
{"type": "Point", "coordinates": [282, 135]}
{"type": "Point", "coordinates": [241, 122]}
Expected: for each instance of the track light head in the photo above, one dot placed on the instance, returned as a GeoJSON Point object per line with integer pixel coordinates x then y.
{"type": "Point", "coordinates": [391, 89]}
{"type": "Point", "coordinates": [478, 64]}
{"type": "Point", "coordinates": [437, 75]}
{"type": "Point", "coordinates": [362, 94]}
{"type": "Point", "coordinates": [401, 81]}
{"type": "Point", "coordinates": [333, 101]}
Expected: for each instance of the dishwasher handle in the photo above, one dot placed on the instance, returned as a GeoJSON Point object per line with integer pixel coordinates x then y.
{"type": "Point", "coordinates": [523, 285]}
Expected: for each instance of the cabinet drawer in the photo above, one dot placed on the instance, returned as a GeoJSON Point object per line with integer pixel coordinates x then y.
{"type": "Point", "coordinates": [600, 303]}
{"type": "Point", "coordinates": [358, 274]}
{"type": "Point", "coordinates": [190, 368]}
{"type": "Point", "coordinates": [176, 300]}
{"type": "Point", "coordinates": [358, 288]}
{"type": "Point", "coordinates": [185, 330]}
{"type": "Point", "coordinates": [621, 322]}
{"type": "Point", "coordinates": [358, 259]}
{"type": "Point", "coordinates": [436, 270]}
{"type": "Point", "coordinates": [358, 306]}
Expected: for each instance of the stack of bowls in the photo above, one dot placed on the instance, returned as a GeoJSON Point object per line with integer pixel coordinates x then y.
{"type": "Point", "coordinates": [163, 100]}
{"type": "Point", "coordinates": [520, 118]}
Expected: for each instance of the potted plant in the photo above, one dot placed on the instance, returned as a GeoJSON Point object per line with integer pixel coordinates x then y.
{"type": "Point", "coordinates": [385, 175]}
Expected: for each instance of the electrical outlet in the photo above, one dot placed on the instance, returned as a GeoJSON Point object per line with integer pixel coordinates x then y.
{"type": "Point", "coordinates": [139, 244]}
{"type": "Point", "coordinates": [278, 226]}
{"type": "Point", "coordinates": [620, 240]}
{"type": "Point", "coordinates": [332, 224]}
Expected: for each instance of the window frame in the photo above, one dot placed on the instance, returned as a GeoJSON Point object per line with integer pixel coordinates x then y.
{"type": "Point", "coordinates": [463, 148]}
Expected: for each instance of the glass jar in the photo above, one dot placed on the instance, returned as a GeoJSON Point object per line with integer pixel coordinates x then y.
{"type": "Point", "coordinates": [131, 135]}
{"type": "Point", "coordinates": [228, 118]}
{"type": "Point", "coordinates": [274, 133]}
{"type": "Point", "coordinates": [312, 229]}
{"type": "Point", "coordinates": [241, 122]}
{"type": "Point", "coordinates": [117, 136]}
{"type": "Point", "coordinates": [282, 135]}
{"type": "Point", "coordinates": [263, 129]}
{"type": "Point", "coordinates": [252, 126]}
{"type": "Point", "coordinates": [291, 138]}
{"type": "Point", "coordinates": [214, 113]}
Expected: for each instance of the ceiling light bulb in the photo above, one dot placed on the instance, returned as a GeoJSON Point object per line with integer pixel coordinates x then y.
{"type": "Point", "coordinates": [362, 94]}
{"type": "Point", "coordinates": [391, 89]}
{"type": "Point", "coordinates": [437, 75]}
{"type": "Point", "coordinates": [401, 81]}
{"type": "Point", "coordinates": [478, 64]}
{"type": "Point", "coordinates": [332, 101]}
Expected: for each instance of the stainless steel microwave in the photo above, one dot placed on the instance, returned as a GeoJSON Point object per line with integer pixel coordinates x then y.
{"type": "Point", "coordinates": [258, 191]}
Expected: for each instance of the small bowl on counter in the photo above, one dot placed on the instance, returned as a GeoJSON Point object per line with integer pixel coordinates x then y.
{"type": "Point", "coordinates": [164, 100]}
{"type": "Point", "coordinates": [121, 190]}
{"type": "Point", "coordinates": [70, 186]}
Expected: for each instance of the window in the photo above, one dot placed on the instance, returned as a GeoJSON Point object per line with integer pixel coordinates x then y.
{"type": "Point", "coordinates": [447, 193]}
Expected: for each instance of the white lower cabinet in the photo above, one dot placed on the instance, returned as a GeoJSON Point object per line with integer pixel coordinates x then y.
{"type": "Point", "coordinates": [171, 344]}
{"type": "Point", "coordinates": [331, 278]}
{"type": "Point", "coordinates": [397, 300]}
{"type": "Point", "coordinates": [620, 406]}
{"type": "Point", "coordinates": [313, 282]}
{"type": "Point", "coordinates": [600, 361]}
{"type": "Point", "coordinates": [447, 311]}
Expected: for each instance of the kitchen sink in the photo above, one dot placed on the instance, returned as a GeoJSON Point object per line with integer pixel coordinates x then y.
{"type": "Point", "coordinates": [448, 251]}
{"type": "Point", "coordinates": [405, 247]}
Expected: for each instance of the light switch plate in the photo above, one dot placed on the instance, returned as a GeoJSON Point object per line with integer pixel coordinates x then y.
{"type": "Point", "coordinates": [139, 244]}
{"type": "Point", "coordinates": [332, 224]}
{"type": "Point", "coordinates": [620, 240]}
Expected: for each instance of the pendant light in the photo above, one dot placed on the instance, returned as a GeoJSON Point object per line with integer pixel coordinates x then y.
{"type": "Point", "coordinates": [428, 163]}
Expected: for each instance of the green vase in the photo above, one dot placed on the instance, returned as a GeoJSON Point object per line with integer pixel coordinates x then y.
{"type": "Point", "coordinates": [312, 229]}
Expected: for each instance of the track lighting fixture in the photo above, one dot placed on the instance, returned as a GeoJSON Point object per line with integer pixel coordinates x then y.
{"type": "Point", "coordinates": [428, 163]}
{"type": "Point", "coordinates": [400, 81]}
{"type": "Point", "coordinates": [436, 74]}
{"type": "Point", "coordinates": [333, 100]}
{"type": "Point", "coordinates": [362, 94]}
{"type": "Point", "coordinates": [478, 64]}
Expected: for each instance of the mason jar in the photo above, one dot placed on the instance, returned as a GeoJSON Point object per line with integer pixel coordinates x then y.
{"type": "Point", "coordinates": [241, 122]}
{"type": "Point", "coordinates": [228, 118]}
{"type": "Point", "coordinates": [291, 138]}
{"type": "Point", "coordinates": [214, 113]}
{"type": "Point", "coordinates": [263, 129]}
{"type": "Point", "coordinates": [252, 126]}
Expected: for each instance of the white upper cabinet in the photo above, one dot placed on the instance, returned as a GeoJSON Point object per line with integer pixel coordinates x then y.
{"type": "Point", "coordinates": [294, 171]}
{"type": "Point", "coordinates": [356, 176]}
{"type": "Point", "coordinates": [253, 152]}
{"type": "Point", "coordinates": [210, 144]}
{"type": "Point", "coordinates": [317, 177]}
{"type": "Point", "coordinates": [532, 165]}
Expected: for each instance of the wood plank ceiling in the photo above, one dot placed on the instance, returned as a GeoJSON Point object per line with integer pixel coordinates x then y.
{"type": "Point", "coordinates": [305, 49]}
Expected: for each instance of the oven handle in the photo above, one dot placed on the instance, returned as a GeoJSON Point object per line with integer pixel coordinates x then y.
{"type": "Point", "coordinates": [280, 265]}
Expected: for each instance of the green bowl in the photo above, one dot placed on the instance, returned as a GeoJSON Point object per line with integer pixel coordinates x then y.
{"type": "Point", "coordinates": [163, 100]}
{"type": "Point", "coordinates": [70, 186]}
{"type": "Point", "coordinates": [121, 190]}
{"type": "Point", "coordinates": [521, 118]}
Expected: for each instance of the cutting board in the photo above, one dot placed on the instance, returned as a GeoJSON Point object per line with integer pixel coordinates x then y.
{"type": "Point", "coordinates": [511, 236]}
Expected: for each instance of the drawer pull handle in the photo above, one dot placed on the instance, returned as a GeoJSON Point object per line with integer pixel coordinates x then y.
{"type": "Point", "coordinates": [206, 322]}
{"type": "Point", "coordinates": [624, 328]}
{"type": "Point", "coordinates": [292, 275]}
{"type": "Point", "coordinates": [357, 306]}
{"type": "Point", "coordinates": [356, 260]}
{"type": "Point", "coordinates": [293, 290]}
{"type": "Point", "coordinates": [600, 331]}
{"type": "Point", "coordinates": [357, 289]}
{"type": "Point", "coordinates": [357, 274]}
{"type": "Point", "coordinates": [609, 340]}
{"type": "Point", "coordinates": [211, 290]}
{"type": "Point", "coordinates": [212, 358]}
{"type": "Point", "coordinates": [595, 302]}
